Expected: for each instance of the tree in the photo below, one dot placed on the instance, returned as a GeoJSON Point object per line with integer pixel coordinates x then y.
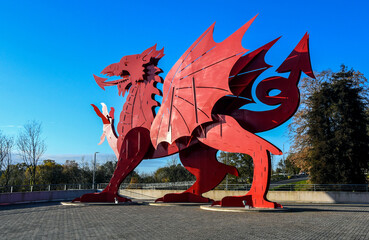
{"type": "Point", "coordinates": [173, 172]}
{"type": "Point", "coordinates": [105, 172]}
{"type": "Point", "coordinates": [337, 133]}
{"type": "Point", "coordinates": [242, 162]}
{"type": "Point", "coordinates": [6, 145]}
{"type": "Point", "coordinates": [286, 166]}
{"type": "Point", "coordinates": [31, 146]}
{"type": "Point", "coordinates": [298, 128]}
{"type": "Point", "coordinates": [71, 172]}
{"type": "Point", "coordinates": [17, 176]}
{"type": "Point", "coordinates": [291, 168]}
{"type": "Point", "coordinates": [49, 172]}
{"type": "Point", "coordinates": [147, 178]}
{"type": "Point", "coordinates": [85, 171]}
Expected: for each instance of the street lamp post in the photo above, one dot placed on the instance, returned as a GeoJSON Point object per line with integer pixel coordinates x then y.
{"type": "Point", "coordinates": [93, 173]}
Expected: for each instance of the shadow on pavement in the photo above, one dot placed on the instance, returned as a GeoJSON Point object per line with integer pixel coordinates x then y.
{"type": "Point", "coordinates": [27, 205]}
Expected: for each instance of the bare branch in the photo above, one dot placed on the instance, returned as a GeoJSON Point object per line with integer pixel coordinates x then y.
{"type": "Point", "coordinates": [31, 146]}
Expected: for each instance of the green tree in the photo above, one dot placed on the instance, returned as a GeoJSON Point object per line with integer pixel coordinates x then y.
{"type": "Point", "coordinates": [336, 128]}
{"type": "Point", "coordinates": [133, 177]}
{"type": "Point", "coordinates": [242, 162]}
{"type": "Point", "coordinates": [147, 178]}
{"type": "Point", "coordinates": [291, 168]}
{"type": "Point", "coordinates": [17, 176]}
{"type": "Point", "coordinates": [298, 127]}
{"type": "Point", "coordinates": [173, 172]}
{"type": "Point", "coordinates": [287, 166]}
{"type": "Point", "coordinates": [85, 171]}
{"type": "Point", "coordinates": [6, 145]}
{"type": "Point", "coordinates": [49, 172]}
{"type": "Point", "coordinates": [72, 173]}
{"type": "Point", "coordinates": [105, 172]}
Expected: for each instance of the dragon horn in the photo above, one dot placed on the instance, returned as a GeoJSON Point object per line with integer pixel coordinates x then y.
{"type": "Point", "coordinates": [147, 54]}
{"type": "Point", "coordinates": [159, 54]}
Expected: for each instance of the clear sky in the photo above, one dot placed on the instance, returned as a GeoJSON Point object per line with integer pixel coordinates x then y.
{"type": "Point", "coordinates": [50, 49]}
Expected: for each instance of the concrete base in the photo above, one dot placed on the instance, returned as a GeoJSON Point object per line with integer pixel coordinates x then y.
{"type": "Point", "coordinates": [97, 203]}
{"type": "Point", "coordinates": [161, 204]}
{"type": "Point", "coordinates": [275, 196]}
{"type": "Point", "coordinates": [241, 209]}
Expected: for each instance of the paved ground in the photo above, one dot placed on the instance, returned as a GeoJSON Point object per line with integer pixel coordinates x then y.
{"type": "Point", "coordinates": [55, 221]}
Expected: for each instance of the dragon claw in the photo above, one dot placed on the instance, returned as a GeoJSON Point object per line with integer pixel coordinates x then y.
{"type": "Point", "coordinates": [101, 197]}
{"type": "Point", "coordinates": [183, 197]}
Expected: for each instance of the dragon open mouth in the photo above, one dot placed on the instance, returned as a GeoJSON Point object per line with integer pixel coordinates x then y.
{"type": "Point", "coordinates": [123, 84]}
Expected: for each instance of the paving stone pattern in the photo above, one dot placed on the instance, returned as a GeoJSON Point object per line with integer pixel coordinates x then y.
{"type": "Point", "coordinates": [55, 221]}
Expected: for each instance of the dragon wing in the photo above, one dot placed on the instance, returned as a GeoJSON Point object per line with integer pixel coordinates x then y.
{"type": "Point", "coordinates": [195, 83]}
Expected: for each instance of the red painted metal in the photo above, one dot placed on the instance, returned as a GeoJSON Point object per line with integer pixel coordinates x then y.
{"type": "Point", "coordinates": [227, 135]}
{"type": "Point", "coordinates": [195, 83]}
{"type": "Point", "coordinates": [201, 113]}
{"type": "Point", "coordinates": [201, 161]}
{"type": "Point", "coordinates": [288, 98]}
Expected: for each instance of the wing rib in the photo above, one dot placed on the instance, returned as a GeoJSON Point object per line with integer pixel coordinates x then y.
{"type": "Point", "coordinates": [194, 98]}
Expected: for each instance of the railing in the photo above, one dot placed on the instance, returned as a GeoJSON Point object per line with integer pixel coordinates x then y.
{"type": "Point", "coordinates": [186, 185]}
{"type": "Point", "coordinates": [321, 187]}
{"type": "Point", "coordinates": [44, 187]}
{"type": "Point", "coordinates": [246, 187]}
{"type": "Point", "coordinates": [159, 186]}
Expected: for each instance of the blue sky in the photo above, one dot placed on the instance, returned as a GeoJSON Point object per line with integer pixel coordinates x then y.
{"type": "Point", "coordinates": [50, 49]}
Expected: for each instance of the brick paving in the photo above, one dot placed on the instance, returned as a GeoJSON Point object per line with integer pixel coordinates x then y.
{"type": "Point", "coordinates": [303, 221]}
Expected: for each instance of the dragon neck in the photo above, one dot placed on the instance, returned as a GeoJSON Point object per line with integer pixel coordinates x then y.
{"type": "Point", "coordinates": [138, 110]}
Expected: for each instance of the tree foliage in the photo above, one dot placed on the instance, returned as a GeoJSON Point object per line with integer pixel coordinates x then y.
{"type": "Point", "coordinates": [173, 172]}
{"type": "Point", "coordinates": [105, 171]}
{"type": "Point", "coordinates": [329, 131]}
{"type": "Point", "coordinates": [286, 166]}
{"type": "Point", "coordinates": [242, 162]}
{"type": "Point", "coordinates": [6, 146]}
{"type": "Point", "coordinates": [298, 127]}
{"type": "Point", "coordinates": [49, 172]}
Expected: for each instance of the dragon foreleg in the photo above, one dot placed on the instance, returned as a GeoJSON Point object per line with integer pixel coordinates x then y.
{"type": "Point", "coordinates": [133, 149]}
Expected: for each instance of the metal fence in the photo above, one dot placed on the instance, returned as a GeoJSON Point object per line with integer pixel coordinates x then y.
{"type": "Point", "coordinates": [246, 187]}
{"type": "Point", "coordinates": [186, 185]}
{"type": "Point", "coordinates": [321, 187]}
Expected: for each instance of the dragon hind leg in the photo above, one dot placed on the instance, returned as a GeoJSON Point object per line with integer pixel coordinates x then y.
{"type": "Point", "coordinates": [227, 135]}
{"type": "Point", "coordinates": [201, 161]}
{"type": "Point", "coordinates": [134, 148]}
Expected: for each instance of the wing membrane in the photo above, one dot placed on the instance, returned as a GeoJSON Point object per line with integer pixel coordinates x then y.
{"type": "Point", "coordinates": [195, 83]}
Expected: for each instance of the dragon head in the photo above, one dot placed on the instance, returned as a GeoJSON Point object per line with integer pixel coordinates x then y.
{"type": "Point", "coordinates": [131, 69]}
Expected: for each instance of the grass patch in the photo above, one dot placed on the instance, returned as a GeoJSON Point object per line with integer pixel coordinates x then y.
{"type": "Point", "coordinates": [296, 186]}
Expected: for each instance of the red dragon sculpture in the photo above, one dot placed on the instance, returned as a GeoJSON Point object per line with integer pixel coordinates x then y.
{"type": "Point", "coordinates": [200, 113]}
